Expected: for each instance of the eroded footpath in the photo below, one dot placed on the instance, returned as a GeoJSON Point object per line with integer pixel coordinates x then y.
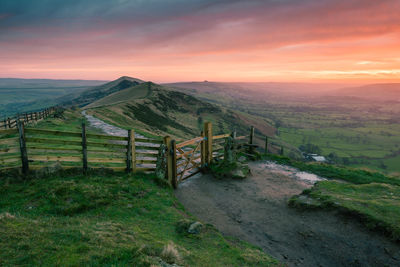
{"type": "Point", "coordinates": [255, 210]}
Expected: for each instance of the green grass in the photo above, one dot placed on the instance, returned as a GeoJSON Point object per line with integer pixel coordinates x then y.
{"type": "Point", "coordinates": [372, 197]}
{"type": "Point", "coordinates": [106, 219]}
{"type": "Point", "coordinates": [377, 205]}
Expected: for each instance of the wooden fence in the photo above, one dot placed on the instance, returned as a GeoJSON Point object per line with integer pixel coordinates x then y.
{"type": "Point", "coordinates": [32, 149]}
{"type": "Point", "coordinates": [25, 118]}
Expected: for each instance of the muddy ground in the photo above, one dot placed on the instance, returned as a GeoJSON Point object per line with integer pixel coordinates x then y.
{"type": "Point", "coordinates": [255, 210]}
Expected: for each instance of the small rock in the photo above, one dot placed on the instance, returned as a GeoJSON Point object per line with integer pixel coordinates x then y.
{"type": "Point", "coordinates": [129, 205]}
{"type": "Point", "coordinates": [195, 228]}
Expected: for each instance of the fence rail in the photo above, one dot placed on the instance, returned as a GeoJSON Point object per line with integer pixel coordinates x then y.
{"type": "Point", "coordinates": [25, 118]}
{"type": "Point", "coordinates": [32, 149]}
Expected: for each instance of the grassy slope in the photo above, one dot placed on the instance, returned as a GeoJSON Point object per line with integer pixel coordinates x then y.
{"type": "Point", "coordinates": [164, 112]}
{"type": "Point", "coordinates": [371, 196]}
{"type": "Point", "coordinates": [107, 219]}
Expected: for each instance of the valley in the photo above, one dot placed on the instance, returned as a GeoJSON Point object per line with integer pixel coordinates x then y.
{"type": "Point", "coordinates": [349, 130]}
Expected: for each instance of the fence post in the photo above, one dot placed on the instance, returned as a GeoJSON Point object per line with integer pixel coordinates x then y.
{"type": "Point", "coordinates": [209, 137]}
{"type": "Point", "coordinates": [168, 173]}
{"type": "Point", "coordinates": [174, 180]}
{"type": "Point", "coordinates": [203, 151]}
{"type": "Point", "coordinates": [131, 153]}
{"type": "Point", "coordinates": [251, 140]}
{"type": "Point", "coordinates": [281, 151]}
{"type": "Point", "coordinates": [84, 149]}
{"type": "Point", "coordinates": [22, 146]}
{"type": "Point", "coordinates": [266, 145]}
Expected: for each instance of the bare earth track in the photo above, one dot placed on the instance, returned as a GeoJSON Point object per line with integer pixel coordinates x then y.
{"type": "Point", "coordinates": [255, 210]}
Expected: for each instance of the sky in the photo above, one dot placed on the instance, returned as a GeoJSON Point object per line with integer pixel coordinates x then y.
{"type": "Point", "coordinates": [185, 40]}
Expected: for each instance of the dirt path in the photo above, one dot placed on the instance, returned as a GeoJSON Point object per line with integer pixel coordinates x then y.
{"type": "Point", "coordinates": [255, 210]}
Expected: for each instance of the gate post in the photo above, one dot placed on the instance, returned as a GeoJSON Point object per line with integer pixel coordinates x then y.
{"type": "Point", "coordinates": [131, 153]}
{"type": "Point", "coordinates": [208, 143]}
{"type": "Point", "coordinates": [251, 140]}
{"type": "Point", "coordinates": [22, 146]}
{"type": "Point", "coordinates": [202, 151]}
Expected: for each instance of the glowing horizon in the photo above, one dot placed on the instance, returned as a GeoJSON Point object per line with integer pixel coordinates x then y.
{"type": "Point", "coordinates": [168, 41]}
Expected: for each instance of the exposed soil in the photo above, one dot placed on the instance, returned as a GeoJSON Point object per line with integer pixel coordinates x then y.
{"type": "Point", "coordinates": [256, 210]}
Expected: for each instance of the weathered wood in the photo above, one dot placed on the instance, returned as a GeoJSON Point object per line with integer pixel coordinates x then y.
{"type": "Point", "coordinates": [146, 154]}
{"type": "Point", "coordinates": [130, 150]}
{"type": "Point", "coordinates": [152, 141]}
{"type": "Point", "coordinates": [190, 160]}
{"type": "Point", "coordinates": [106, 137]}
{"type": "Point", "coordinates": [266, 145]}
{"type": "Point", "coordinates": [53, 141]}
{"type": "Point", "coordinates": [55, 158]}
{"type": "Point", "coordinates": [55, 149]}
{"type": "Point", "coordinates": [84, 149]}
{"type": "Point", "coordinates": [190, 142]}
{"type": "Point", "coordinates": [147, 147]}
{"type": "Point", "coordinates": [220, 136]}
{"type": "Point", "coordinates": [203, 151]}
{"type": "Point", "coordinates": [184, 153]}
{"type": "Point", "coordinates": [209, 140]}
{"type": "Point", "coordinates": [106, 160]}
{"type": "Point", "coordinates": [251, 139]}
{"type": "Point", "coordinates": [52, 132]}
{"type": "Point", "coordinates": [22, 145]}
{"type": "Point", "coordinates": [146, 161]}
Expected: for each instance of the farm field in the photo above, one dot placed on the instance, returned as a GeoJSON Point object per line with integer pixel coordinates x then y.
{"type": "Point", "coordinates": [354, 131]}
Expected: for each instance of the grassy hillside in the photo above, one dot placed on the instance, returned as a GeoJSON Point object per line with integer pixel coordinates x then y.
{"type": "Point", "coordinates": [151, 108]}
{"type": "Point", "coordinates": [107, 220]}
{"type": "Point", "coordinates": [95, 93]}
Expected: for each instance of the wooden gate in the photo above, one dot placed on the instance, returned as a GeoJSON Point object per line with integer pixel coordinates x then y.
{"type": "Point", "coordinates": [188, 158]}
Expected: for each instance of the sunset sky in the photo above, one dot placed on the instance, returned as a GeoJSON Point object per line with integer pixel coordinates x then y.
{"type": "Point", "coordinates": [182, 40]}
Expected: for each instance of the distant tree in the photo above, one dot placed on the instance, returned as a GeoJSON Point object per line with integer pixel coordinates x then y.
{"type": "Point", "coordinates": [333, 157]}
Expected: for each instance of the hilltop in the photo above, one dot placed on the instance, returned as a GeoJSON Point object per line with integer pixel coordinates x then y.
{"type": "Point", "coordinates": [97, 92]}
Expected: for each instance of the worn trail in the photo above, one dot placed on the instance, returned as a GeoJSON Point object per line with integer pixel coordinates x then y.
{"type": "Point", "coordinates": [255, 210]}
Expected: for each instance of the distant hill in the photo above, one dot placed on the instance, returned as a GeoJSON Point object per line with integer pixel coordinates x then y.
{"type": "Point", "coordinates": [95, 93]}
{"type": "Point", "coordinates": [378, 92]}
{"type": "Point", "coordinates": [19, 95]}
{"type": "Point", "coordinates": [153, 108]}
{"type": "Point", "coordinates": [46, 83]}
